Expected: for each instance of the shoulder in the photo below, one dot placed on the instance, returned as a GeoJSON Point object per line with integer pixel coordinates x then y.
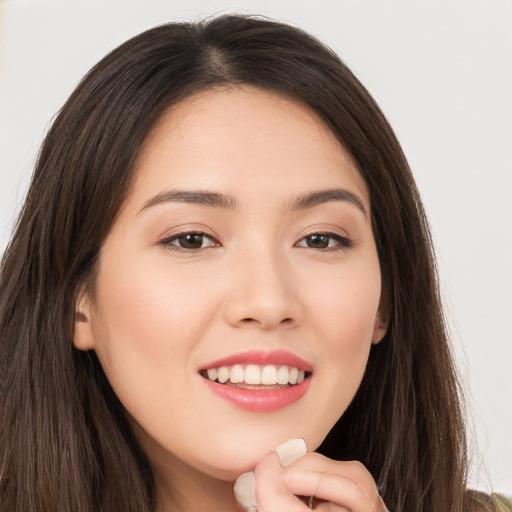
{"type": "Point", "coordinates": [477, 501]}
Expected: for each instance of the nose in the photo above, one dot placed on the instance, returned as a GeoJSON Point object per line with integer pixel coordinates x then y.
{"type": "Point", "coordinates": [263, 294]}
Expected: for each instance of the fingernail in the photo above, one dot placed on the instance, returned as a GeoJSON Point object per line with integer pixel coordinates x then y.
{"type": "Point", "coordinates": [290, 451]}
{"type": "Point", "coordinates": [245, 491]}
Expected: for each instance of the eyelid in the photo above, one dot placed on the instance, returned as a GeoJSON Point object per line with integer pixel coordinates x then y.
{"type": "Point", "coordinates": [187, 229]}
{"type": "Point", "coordinates": [344, 240]}
{"type": "Point", "coordinates": [166, 240]}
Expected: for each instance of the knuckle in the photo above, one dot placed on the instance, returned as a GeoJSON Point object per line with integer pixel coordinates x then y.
{"type": "Point", "coordinates": [358, 466]}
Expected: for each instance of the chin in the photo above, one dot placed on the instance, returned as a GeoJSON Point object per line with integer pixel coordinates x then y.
{"type": "Point", "coordinates": [234, 456]}
{"type": "Point", "coordinates": [227, 474]}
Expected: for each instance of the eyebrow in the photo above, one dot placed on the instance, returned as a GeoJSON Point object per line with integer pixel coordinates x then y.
{"type": "Point", "coordinates": [228, 202]}
{"type": "Point", "coordinates": [205, 198]}
{"type": "Point", "coordinates": [324, 196]}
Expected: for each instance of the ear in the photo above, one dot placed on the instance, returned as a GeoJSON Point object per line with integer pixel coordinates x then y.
{"type": "Point", "coordinates": [83, 338]}
{"type": "Point", "coordinates": [381, 324]}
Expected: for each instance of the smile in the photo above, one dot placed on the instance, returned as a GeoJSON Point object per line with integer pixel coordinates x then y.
{"type": "Point", "coordinates": [256, 375]}
{"type": "Point", "coordinates": [259, 381]}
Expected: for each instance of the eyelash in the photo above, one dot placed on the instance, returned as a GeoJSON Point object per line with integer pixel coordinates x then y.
{"type": "Point", "coordinates": [342, 243]}
{"type": "Point", "coordinates": [168, 241]}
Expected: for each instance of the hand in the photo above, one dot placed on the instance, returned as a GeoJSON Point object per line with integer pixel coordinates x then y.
{"type": "Point", "coordinates": [336, 486]}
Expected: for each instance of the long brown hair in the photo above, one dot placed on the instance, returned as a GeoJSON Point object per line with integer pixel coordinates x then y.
{"type": "Point", "coordinates": [65, 444]}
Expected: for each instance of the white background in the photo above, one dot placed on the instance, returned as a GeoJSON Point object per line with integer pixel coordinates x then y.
{"type": "Point", "coordinates": [442, 73]}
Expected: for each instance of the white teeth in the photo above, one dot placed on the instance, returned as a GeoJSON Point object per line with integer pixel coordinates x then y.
{"type": "Point", "coordinates": [237, 374]}
{"type": "Point", "coordinates": [268, 375]}
{"type": "Point", "coordinates": [283, 375]}
{"type": "Point", "coordinates": [223, 374]}
{"type": "Point", "coordinates": [253, 374]}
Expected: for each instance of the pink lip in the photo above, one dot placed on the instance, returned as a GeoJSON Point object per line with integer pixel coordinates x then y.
{"type": "Point", "coordinates": [262, 357]}
{"type": "Point", "coordinates": [260, 400]}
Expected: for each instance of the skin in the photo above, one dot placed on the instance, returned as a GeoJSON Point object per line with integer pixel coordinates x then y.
{"type": "Point", "coordinates": [158, 313]}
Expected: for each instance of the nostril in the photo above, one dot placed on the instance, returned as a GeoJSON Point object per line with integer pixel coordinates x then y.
{"type": "Point", "coordinates": [253, 321]}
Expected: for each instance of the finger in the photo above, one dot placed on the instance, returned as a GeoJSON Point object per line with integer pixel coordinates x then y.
{"type": "Point", "coordinates": [271, 493]}
{"type": "Point", "coordinates": [331, 488]}
{"type": "Point", "coordinates": [350, 470]}
{"type": "Point", "coordinates": [291, 451]}
{"type": "Point", "coordinates": [244, 490]}
{"type": "Point", "coordinates": [327, 506]}
{"type": "Point", "coordinates": [382, 505]}
{"type": "Point", "coordinates": [244, 487]}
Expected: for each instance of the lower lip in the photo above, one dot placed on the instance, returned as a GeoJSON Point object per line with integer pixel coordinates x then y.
{"type": "Point", "coordinates": [260, 400]}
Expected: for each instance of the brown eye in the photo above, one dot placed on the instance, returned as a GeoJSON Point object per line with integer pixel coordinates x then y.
{"type": "Point", "coordinates": [329, 241]}
{"type": "Point", "coordinates": [189, 241]}
{"type": "Point", "coordinates": [317, 241]}
{"type": "Point", "coordinates": [192, 241]}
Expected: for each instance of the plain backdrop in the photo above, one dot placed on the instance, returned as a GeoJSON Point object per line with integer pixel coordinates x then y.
{"type": "Point", "coordinates": [442, 73]}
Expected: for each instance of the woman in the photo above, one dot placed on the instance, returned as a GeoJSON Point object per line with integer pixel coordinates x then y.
{"type": "Point", "coordinates": [223, 248]}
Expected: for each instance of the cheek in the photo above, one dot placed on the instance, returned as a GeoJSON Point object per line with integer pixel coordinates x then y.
{"type": "Point", "coordinates": [344, 317]}
{"type": "Point", "coordinates": [346, 307]}
{"type": "Point", "coordinates": [151, 304]}
{"type": "Point", "coordinates": [147, 324]}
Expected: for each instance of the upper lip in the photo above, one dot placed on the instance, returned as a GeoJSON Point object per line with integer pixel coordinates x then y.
{"type": "Point", "coordinates": [262, 357]}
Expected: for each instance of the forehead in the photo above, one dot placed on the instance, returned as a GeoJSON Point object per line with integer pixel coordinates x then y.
{"type": "Point", "coordinates": [229, 137]}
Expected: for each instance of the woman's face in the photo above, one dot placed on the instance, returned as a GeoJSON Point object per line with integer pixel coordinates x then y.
{"type": "Point", "coordinates": [244, 247]}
